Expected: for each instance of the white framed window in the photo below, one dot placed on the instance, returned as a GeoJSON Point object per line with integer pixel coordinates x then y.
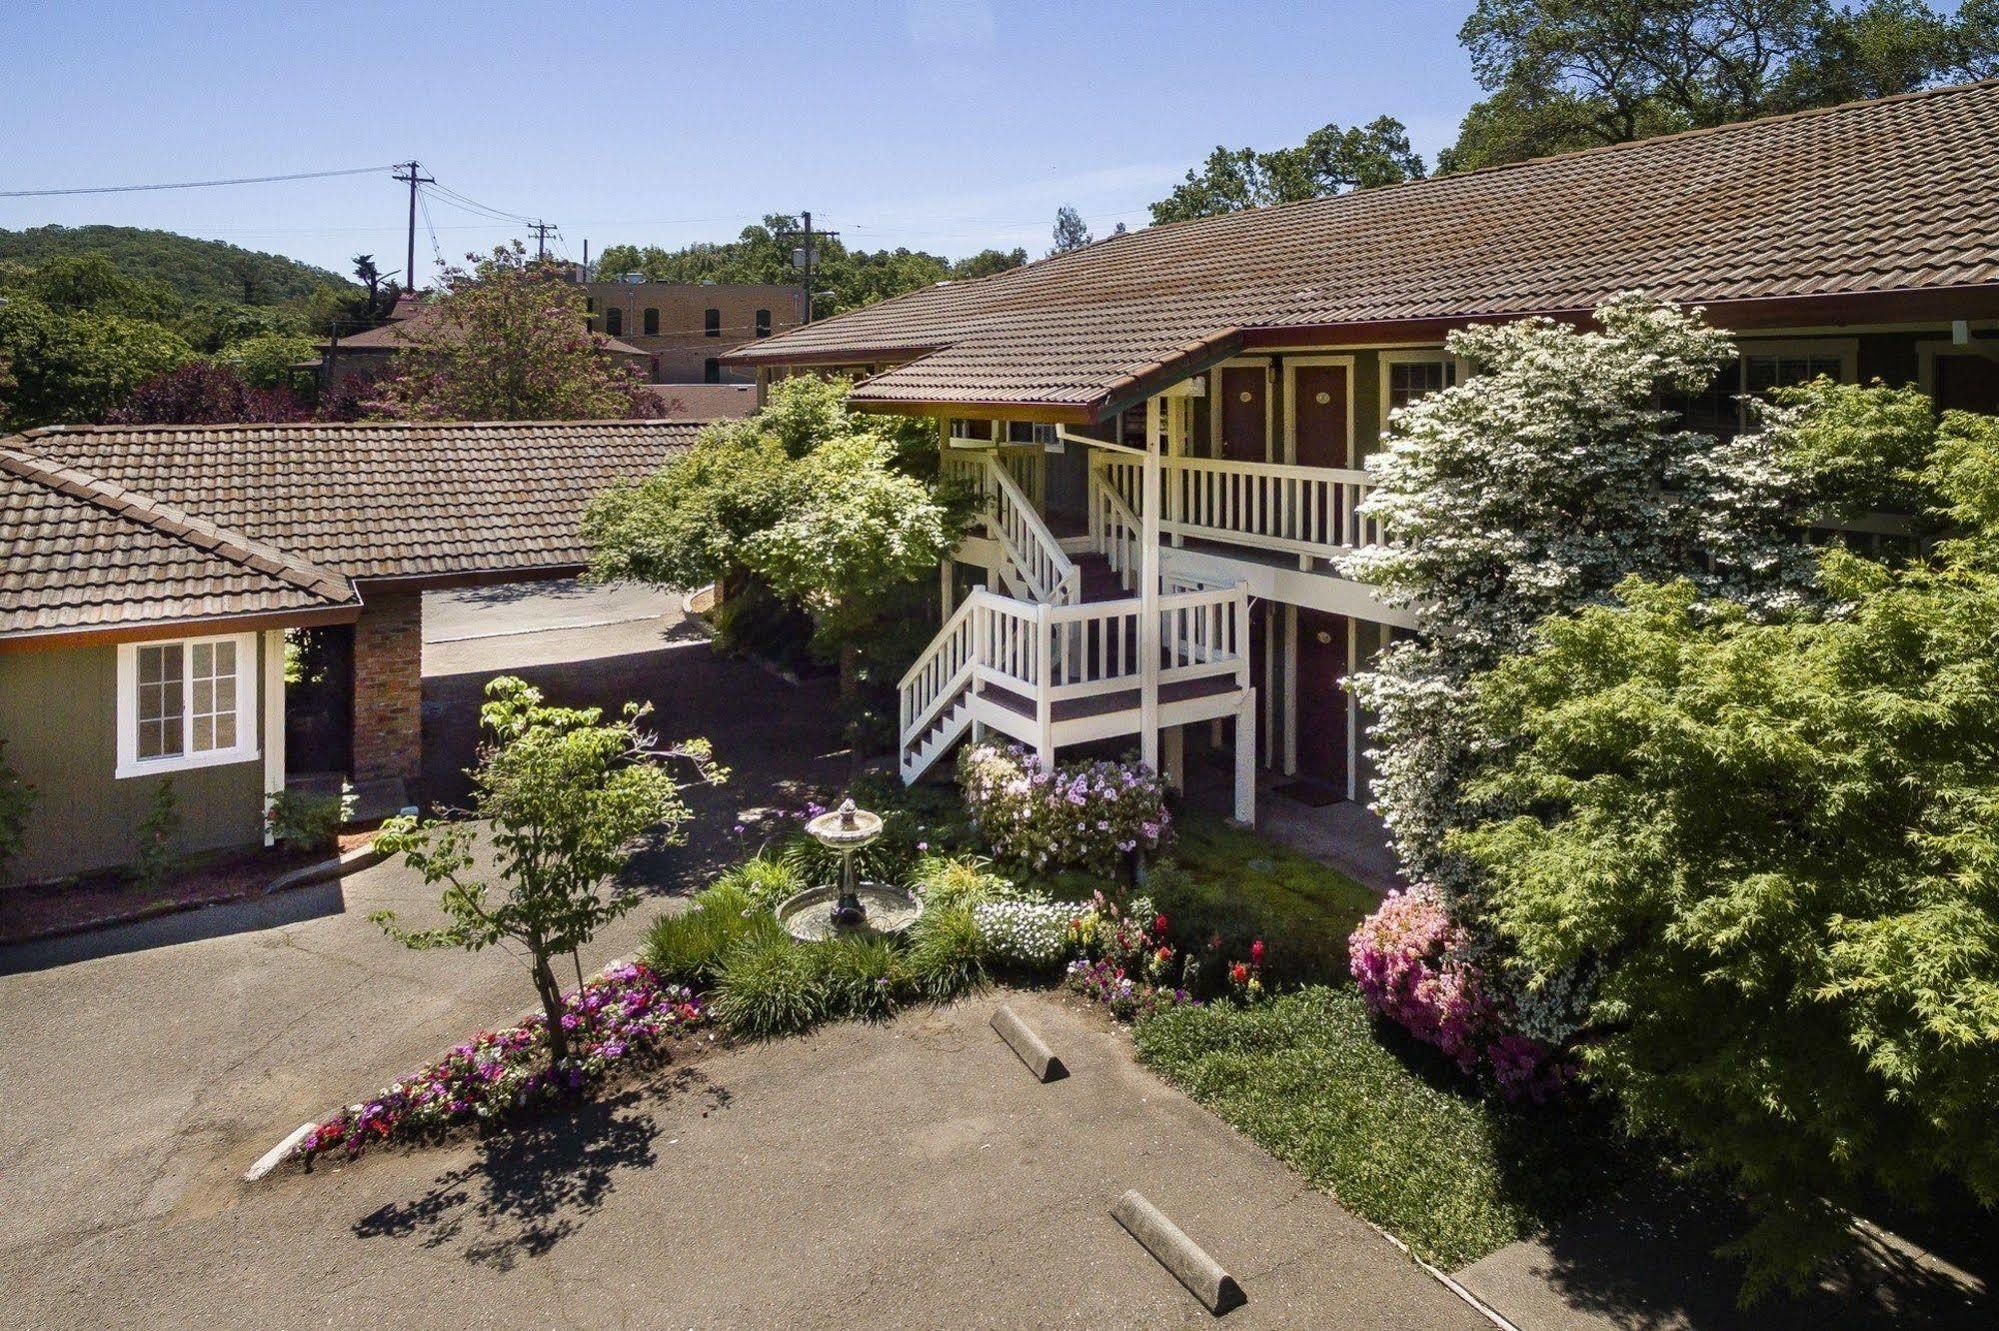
{"type": "Point", "coordinates": [186, 702]}
{"type": "Point", "coordinates": [1411, 376]}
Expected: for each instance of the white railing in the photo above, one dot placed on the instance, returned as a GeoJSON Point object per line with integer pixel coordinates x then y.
{"type": "Point", "coordinates": [939, 675]}
{"type": "Point", "coordinates": [1274, 506]}
{"type": "Point", "coordinates": [1204, 633]}
{"type": "Point", "coordinates": [1038, 559]}
{"type": "Point", "coordinates": [964, 460]}
{"type": "Point", "coordinates": [1115, 532]}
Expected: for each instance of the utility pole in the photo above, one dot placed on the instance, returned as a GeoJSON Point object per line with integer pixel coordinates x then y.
{"type": "Point", "coordinates": [410, 173]}
{"type": "Point", "coordinates": [805, 263]}
{"type": "Point", "coordinates": [541, 230]}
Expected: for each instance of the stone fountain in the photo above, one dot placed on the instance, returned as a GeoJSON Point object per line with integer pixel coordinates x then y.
{"type": "Point", "coordinates": [852, 906]}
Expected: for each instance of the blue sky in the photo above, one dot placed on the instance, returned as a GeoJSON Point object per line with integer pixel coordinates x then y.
{"type": "Point", "coordinates": [946, 125]}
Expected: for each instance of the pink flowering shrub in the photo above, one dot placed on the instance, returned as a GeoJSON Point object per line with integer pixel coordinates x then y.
{"type": "Point", "coordinates": [1085, 815]}
{"type": "Point", "coordinates": [624, 1016]}
{"type": "Point", "coordinates": [1410, 962]}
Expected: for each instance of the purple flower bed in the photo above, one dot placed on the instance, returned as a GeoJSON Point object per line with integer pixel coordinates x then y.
{"type": "Point", "coordinates": [1083, 815]}
{"type": "Point", "coordinates": [1410, 961]}
{"type": "Point", "coordinates": [623, 1017]}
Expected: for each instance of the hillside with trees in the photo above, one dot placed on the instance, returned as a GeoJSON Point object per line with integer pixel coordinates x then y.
{"type": "Point", "coordinates": [198, 270]}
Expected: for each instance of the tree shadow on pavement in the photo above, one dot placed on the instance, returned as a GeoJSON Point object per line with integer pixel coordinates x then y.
{"type": "Point", "coordinates": [535, 1185]}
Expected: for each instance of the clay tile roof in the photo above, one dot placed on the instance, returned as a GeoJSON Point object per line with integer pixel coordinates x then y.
{"type": "Point", "coordinates": [86, 553]}
{"type": "Point", "coordinates": [420, 318]}
{"type": "Point", "coordinates": [1892, 195]}
{"type": "Point", "coordinates": [373, 499]}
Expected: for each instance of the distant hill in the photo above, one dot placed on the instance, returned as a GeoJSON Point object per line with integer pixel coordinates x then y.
{"type": "Point", "coordinates": [198, 269]}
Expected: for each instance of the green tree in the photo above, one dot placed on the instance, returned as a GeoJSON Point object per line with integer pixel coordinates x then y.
{"type": "Point", "coordinates": [1777, 847]}
{"type": "Point", "coordinates": [1070, 232]}
{"type": "Point", "coordinates": [74, 367]}
{"type": "Point", "coordinates": [569, 796]}
{"type": "Point", "coordinates": [509, 341]}
{"type": "Point", "coordinates": [837, 513]}
{"type": "Point", "coordinates": [1566, 74]}
{"type": "Point", "coordinates": [269, 360]}
{"type": "Point", "coordinates": [1332, 160]}
{"type": "Point", "coordinates": [988, 262]}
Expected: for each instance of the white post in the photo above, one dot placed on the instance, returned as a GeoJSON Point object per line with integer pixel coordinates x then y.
{"type": "Point", "coordinates": [1245, 760]}
{"type": "Point", "coordinates": [1176, 758]}
{"type": "Point", "coordinates": [1178, 427]}
{"type": "Point", "coordinates": [274, 722]}
{"type": "Point", "coordinates": [1044, 706]}
{"type": "Point", "coordinates": [1148, 593]}
{"type": "Point", "coordinates": [944, 589]}
{"type": "Point", "coordinates": [981, 645]}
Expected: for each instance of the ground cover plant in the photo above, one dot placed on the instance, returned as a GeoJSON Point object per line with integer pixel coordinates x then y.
{"type": "Point", "coordinates": [626, 1018]}
{"type": "Point", "coordinates": [1391, 1128]}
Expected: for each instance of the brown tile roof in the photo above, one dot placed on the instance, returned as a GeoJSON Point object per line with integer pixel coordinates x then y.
{"type": "Point", "coordinates": [83, 553]}
{"type": "Point", "coordinates": [1892, 195]}
{"type": "Point", "coordinates": [421, 319]}
{"type": "Point", "coordinates": [374, 500]}
{"type": "Point", "coordinates": [707, 402]}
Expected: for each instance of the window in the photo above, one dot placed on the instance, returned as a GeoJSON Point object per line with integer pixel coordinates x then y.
{"type": "Point", "coordinates": [763, 323]}
{"type": "Point", "coordinates": [711, 371]}
{"type": "Point", "coordinates": [652, 322]}
{"type": "Point", "coordinates": [1410, 379]}
{"type": "Point", "coordinates": [589, 304]}
{"type": "Point", "coordinates": [712, 322]}
{"type": "Point", "coordinates": [614, 321]}
{"type": "Point", "coordinates": [1761, 371]}
{"type": "Point", "coordinates": [1718, 410]}
{"type": "Point", "coordinates": [190, 703]}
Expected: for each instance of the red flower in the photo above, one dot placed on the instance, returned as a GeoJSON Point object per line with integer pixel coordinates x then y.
{"type": "Point", "coordinates": [1159, 926]}
{"type": "Point", "coordinates": [1238, 973]}
{"type": "Point", "coordinates": [1256, 953]}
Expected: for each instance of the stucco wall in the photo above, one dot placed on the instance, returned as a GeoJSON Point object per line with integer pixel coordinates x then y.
{"type": "Point", "coordinates": [58, 714]}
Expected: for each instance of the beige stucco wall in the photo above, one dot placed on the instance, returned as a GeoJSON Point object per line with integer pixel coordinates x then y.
{"type": "Point", "coordinates": [58, 715]}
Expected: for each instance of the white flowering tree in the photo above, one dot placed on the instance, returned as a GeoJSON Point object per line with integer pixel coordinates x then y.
{"type": "Point", "coordinates": [1552, 473]}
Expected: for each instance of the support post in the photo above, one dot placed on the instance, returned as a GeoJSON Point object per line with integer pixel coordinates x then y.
{"type": "Point", "coordinates": [944, 589]}
{"type": "Point", "coordinates": [1044, 685]}
{"type": "Point", "coordinates": [1175, 738]}
{"type": "Point", "coordinates": [1148, 591]}
{"type": "Point", "coordinates": [1245, 760]}
{"type": "Point", "coordinates": [274, 723]}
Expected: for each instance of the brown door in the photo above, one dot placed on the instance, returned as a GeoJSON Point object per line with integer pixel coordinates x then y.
{"type": "Point", "coordinates": [1967, 383]}
{"type": "Point", "coordinates": [1245, 413]}
{"type": "Point", "coordinates": [1322, 704]}
{"type": "Point", "coordinates": [1320, 413]}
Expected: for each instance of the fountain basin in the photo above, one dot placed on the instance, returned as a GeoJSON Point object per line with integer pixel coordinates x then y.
{"type": "Point", "coordinates": [808, 916]}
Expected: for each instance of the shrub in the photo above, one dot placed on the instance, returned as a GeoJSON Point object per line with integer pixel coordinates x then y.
{"type": "Point", "coordinates": [769, 986]}
{"type": "Point", "coordinates": [946, 953]}
{"type": "Point", "coordinates": [1029, 934]}
{"type": "Point", "coordinates": [1085, 815]}
{"type": "Point", "coordinates": [945, 882]}
{"type": "Point", "coordinates": [303, 821]}
{"type": "Point", "coordinates": [689, 947]}
{"type": "Point", "coordinates": [1410, 962]}
{"type": "Point", "coordinates": [765, 879]}
{"type": "Point", "coordinates": [626, 1014]}
{"type": "Point", "coordinates": [865, 976]}
{"type": "Point", "coordinates": [158, 851]}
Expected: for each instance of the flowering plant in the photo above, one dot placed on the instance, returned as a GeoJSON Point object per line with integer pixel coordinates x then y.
{"type": "Point", "coordinates": [1027, 933]}
{"type": "Point", "coordinates": [1411, 962]}
{"type": "Point", "coordinates": [1083, 815]}
{"type": "Point", "coordinates": [623, 1016]}
{"type": "Point", "coordinates": [1246, 977]}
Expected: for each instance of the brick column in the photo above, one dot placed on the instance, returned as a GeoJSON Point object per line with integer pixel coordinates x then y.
{"type": "Point", "coordinates": [388, 688]}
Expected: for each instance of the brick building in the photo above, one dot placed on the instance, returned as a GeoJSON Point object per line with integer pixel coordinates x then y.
{"type": "Point", "coordinates": [685, 327]}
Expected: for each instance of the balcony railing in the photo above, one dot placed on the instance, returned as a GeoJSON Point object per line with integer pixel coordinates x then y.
{"type": "Point", "coordinates": [1313, 512]}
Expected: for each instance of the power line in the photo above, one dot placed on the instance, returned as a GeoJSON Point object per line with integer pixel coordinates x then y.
{"type": "Point", "coordinates": [191, 184]}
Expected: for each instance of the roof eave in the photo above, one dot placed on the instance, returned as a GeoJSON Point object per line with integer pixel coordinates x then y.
{"type": "Point", "coordinates": [99, 635]}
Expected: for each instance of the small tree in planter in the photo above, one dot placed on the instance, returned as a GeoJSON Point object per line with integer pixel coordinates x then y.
{"type": "Point", "coordinates": [569, 796]}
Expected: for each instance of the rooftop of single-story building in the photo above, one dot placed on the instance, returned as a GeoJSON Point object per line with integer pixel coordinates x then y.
{"type": "Point", "coordinates": [127, 527]}
{"type": "Point", "coordinates": [1845, 214]}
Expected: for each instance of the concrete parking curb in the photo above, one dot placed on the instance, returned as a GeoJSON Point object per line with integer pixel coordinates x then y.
{"type": "Point", "coordinates": [355, 860]}
{"type": "Point", "coordinates": [1187, 1260]}
{"type": "Point", "coordinates": [274, 1157]}
{"type": "Point", "coordinates": [1033, 1050]}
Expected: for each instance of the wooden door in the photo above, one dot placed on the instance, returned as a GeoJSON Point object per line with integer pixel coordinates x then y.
{"type": "Point", "coordinates": [1245, 413]}
{"type": "Point", "coordinates": [1968, 382]}
{"type": "Point", "coordinates": [1319, 414]}
{"type": "Point", "coordinates": [1322, 703]}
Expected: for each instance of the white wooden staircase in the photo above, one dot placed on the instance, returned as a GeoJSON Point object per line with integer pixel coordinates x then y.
{"type": "Point", "coordinates": [1056, 660]}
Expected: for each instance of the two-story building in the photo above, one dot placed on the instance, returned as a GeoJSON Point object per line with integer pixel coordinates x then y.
{"type": "Point", "coordinates": [683, 328]}
{"type": "Point", "coordinates": [1172, 426]}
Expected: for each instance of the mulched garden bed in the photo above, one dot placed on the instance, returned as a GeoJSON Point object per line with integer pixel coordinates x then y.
{"type": "Point", "coordinates": [107, 897]}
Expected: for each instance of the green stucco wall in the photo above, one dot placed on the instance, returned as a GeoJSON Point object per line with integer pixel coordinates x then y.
{"type": "Point", "coordinates": [58, 714]}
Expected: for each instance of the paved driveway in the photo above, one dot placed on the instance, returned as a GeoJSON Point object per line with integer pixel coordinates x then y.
{"type": "Point", "coordinates": [145, 1067]}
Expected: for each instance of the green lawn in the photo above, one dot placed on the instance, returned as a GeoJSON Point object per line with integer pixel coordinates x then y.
{"type": "Point", "coordinates": [1388, 1127]}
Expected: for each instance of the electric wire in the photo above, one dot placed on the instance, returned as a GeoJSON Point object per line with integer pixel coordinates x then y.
{"type": "Point", "coordinates": [190, 184]}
